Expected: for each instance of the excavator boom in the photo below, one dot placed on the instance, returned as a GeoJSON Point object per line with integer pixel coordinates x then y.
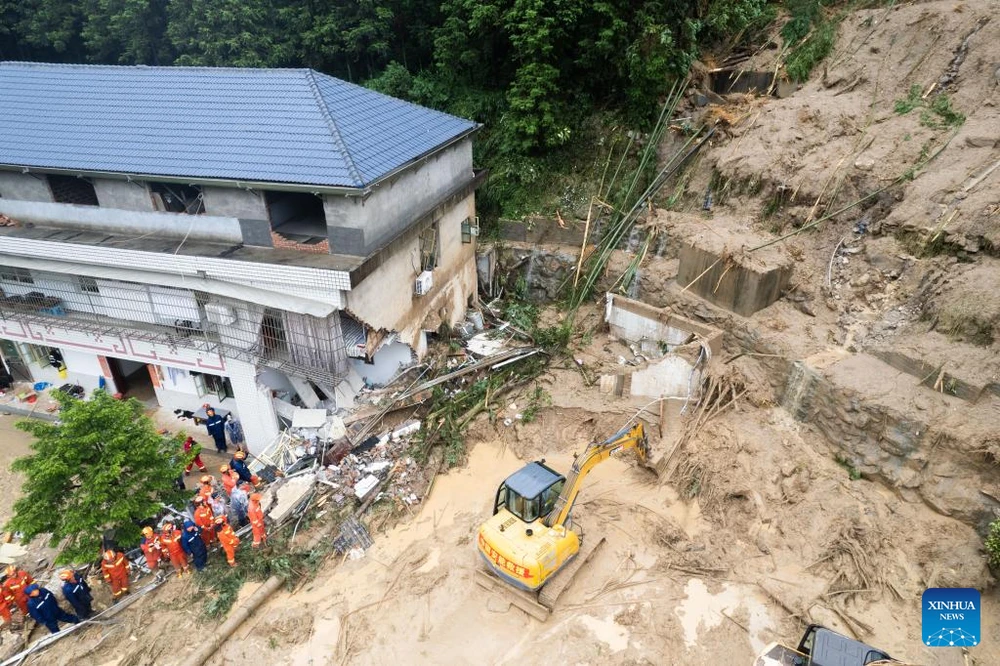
{"type": "Point", "coordinates": [596, 453]}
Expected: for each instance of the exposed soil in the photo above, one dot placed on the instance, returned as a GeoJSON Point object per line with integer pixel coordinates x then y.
{"type": "Point", "coordinates": [758, 529]}
{"type": "Point", "coordinates": [16, 444]}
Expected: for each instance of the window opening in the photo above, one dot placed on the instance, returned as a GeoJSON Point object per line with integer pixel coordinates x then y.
{"type": "Point", "coordinates": [88, 285]}
{"type": "Point", "coordinates": [177, 198]}
{"type": "Point", "coordinates": [272, 333]}
{"type": "Point", "coordinates": [72, 190]}
{"type": "Point", "coordinates": [12, 274]}
{"type": "Point", "coordinates": [430, 250]}
{"type": "Point", "coordinates": [298, 216]}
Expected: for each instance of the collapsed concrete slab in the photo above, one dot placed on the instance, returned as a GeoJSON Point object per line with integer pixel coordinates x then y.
{"type": "Point", "coordinates": [674, 349]}
{"type": "Point", "coordinates": [717, 265]}
{"type": "Point", "coordinates": [289, 495]}
{"type": "Point", "coordinates": [655, 329]}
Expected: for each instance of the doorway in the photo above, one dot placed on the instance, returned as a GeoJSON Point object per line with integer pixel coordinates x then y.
{"type": "Point", "coordinates": [132, 379]}
{"type": "Point", "coordinates": [13, 363]}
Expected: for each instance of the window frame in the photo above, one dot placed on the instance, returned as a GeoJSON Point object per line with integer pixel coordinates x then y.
{"type": "Point", "coordinates": [429, 242]}
{"type": "Point", "coordinates": [16, 274]}
{"type": "Point", "coordinates": [87, 284]}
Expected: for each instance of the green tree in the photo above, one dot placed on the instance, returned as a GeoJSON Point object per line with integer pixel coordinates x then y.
{"type": "Point", "coordinates": [349, 37]}
{"type": "Point", "coordinates": [102, 466]}
{"type": "Point", "coordinates": [51, 29]}
{"type": "Point", "coordinates": [126, 31]}
{"type": "Point", "coordinates": [233, 33]}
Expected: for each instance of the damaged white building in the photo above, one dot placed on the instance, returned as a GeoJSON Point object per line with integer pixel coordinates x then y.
{"type": "Point", "coordinates": [248, 238]}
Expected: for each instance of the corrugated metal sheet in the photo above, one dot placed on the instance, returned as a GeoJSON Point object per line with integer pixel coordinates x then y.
{"type": "Point", "coordinates": [270, 125]}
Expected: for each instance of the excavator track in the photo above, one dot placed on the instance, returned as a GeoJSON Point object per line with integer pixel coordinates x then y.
{"type": "Point", "coordinates": [526, 601]}
{"type": "Point", "coordinates": [561, 580]}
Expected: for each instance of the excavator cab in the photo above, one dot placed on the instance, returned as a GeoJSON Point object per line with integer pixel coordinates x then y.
{"type": "Point", "coordinates": [530, 493]}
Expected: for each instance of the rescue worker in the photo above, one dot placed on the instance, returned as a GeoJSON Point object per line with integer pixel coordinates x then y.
{"type": "Point", "coordinates": [194, 545]}
{"type": "Point", "coordinates": [171, 540]}
{"type": "Point", "coordinates": [115, 567]}
{"type": "Point", "coordinates": [256, 516]}
{"type": "Point", "coordinates": [207, 488]}
{"type": "Point", "coordinates": [239, 501]}
{"type": "Point", "coordinates": [188, 445]}
{"type": "Point", "coordinates": [238, 465]}
{"type": "Point", "coordinates": [76, 591]}
{"type": "Point", "coordinates": [151, 548]}
{"type": "Point", "coordinates": [13, 587]}
{"type": "Point", "coordinates": [229, 479]}
{"type": "Point", "coordinates": [216, 426]}
{"type": "Point", "coordinates": [204, 518]}
{"type": "Point", "coordinates": [5, 616]}
{"type": "Point", "coordinates": [228, 539]}
{"type": "Point", "coordinates": [45, 609]}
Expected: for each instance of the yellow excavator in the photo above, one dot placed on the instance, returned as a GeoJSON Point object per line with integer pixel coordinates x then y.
{"type": "Point", "coordinates": [530, 537]}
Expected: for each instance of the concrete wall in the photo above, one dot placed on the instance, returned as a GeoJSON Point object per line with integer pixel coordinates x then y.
{"type": "Point", "coordinates": [81, 368]}
{"type": "Point", "coordinates": [24, 186]}
{"type": "Point", "coordinates": [359, 227]}
{"type": "Point", "coordinates": [131, 223]}
{"type": "Point", "coordinates": [230, 202]}
{"type": "Point", "coordinates": [123, 194]}
{"type": "Point", "coordinates": [742, 288]}
{"type": "Point", "coordinates": [385, 299]}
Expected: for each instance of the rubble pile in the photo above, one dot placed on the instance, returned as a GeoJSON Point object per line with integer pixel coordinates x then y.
{"type": "Point", "coordinates": [376, 459]}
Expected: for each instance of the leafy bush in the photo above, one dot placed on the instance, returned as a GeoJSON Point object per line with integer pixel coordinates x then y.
{"type": "Point", "coordinates": [992, 544]}
{"type": "Point", "coordinates": [804, 57]}
{"type": "Point", "coordinates": [935, 115]}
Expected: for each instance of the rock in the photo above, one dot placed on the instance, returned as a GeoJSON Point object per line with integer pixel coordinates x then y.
{"type": "Point", "coordinates": [980, 141]}
{"type": "Point", "coordinates": [864, 163]}
{"type": "Point", "coordinates": [788, 469]}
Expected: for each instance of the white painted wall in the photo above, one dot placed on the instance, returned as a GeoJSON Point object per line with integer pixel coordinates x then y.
{"type": "Point", "coordinates": [394, 203]}
{"type": "Point", "coordinates": [81, 368]}
{"type": "Point", "coordinates": [385, 298]}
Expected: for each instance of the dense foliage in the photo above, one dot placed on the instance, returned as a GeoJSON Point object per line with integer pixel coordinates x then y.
{"type": "Point", "coordinates": [531, 70]}
{"type": "Point", "coordinates": [101, 466]}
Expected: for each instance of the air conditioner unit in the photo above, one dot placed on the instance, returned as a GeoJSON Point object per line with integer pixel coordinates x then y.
{"type": "Point", "coordinates": [423, 283]}
{"type": "Point", "coordinates": [223, 315]}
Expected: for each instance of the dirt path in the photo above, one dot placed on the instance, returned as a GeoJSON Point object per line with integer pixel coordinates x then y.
{"type": "Point", "coordinates": [14, 444]}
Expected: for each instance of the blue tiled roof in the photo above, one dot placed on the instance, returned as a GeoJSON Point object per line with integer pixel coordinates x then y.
{"type": "Point", "coordinates": [268, 125]}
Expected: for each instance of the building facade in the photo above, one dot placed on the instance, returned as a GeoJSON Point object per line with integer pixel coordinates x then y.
{"type": "Point", "coordinates": [253, 239]}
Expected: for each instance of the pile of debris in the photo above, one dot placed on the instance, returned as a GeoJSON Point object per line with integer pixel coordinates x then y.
{"type": "Point", "coordinates": [378, 458]}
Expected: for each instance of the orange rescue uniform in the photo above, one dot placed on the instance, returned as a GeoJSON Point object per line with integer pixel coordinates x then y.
{"type": "Point", "coordinates": [229, 482]}
{"type": "Point", "coordinates": [172, 542]}
{"type": "Point", "coordinates": [4, 611]}
{"type": "Point", "coordinates": [13, 589]}
{"type": "Point", "coordinates": [153, 551]}
{"type": "Point", "coordinates": [205, 519]}
{"type": "Point", "coordinates": [229, 541]}
{"type": "Point", "coordinates": [116, 572]}
{"type": "Point", "coordinates": [256, 516]}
